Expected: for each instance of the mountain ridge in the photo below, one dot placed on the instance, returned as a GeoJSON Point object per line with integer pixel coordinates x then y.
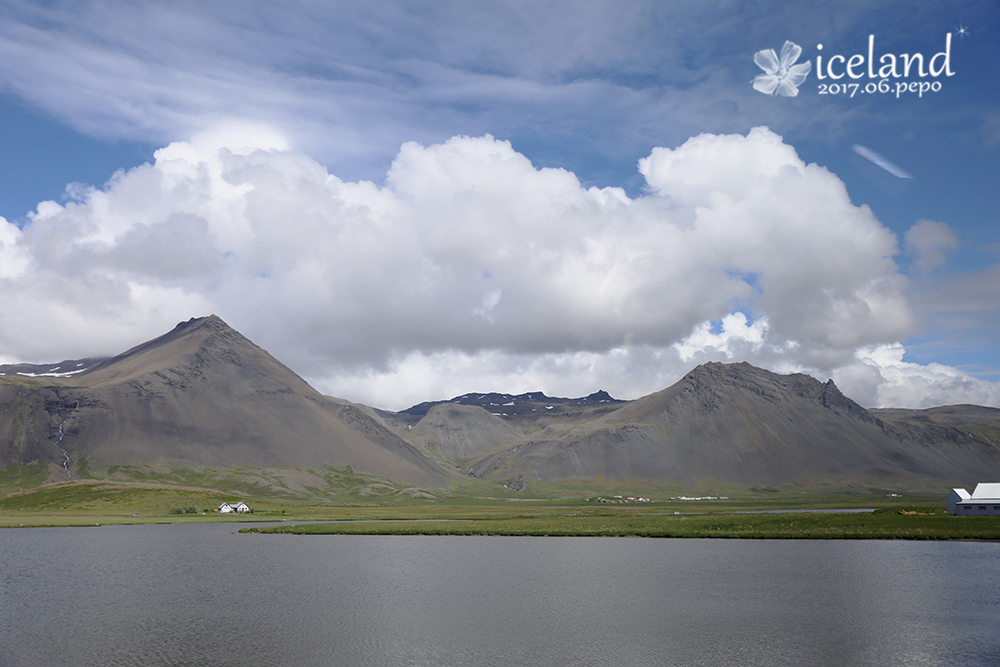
{"type": "Point", "coordinates": [203, 394]}
{"type": "Point", "coordinates": [741, 424]}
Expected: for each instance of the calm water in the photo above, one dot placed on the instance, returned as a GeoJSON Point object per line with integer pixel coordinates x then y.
{"type": "Point", "coordinates": [203, 596]}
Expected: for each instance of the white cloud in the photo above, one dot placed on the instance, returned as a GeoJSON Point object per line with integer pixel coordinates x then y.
{"type": "Point", "coordinates": [468, 267]}
{"type": "Point", "coordinates": [351, 81]}
{"type": "Point", "coordinates": [822, 267]}
{"type": "Point", "coordinates": [13, 255]}
{"type": "Point", "coordinates": [624, 372]}
{"type": "Point", "coordinates": [735, 339]}
{"type": "Point", "coordinates": [929, 242]}
{"type": "Point", "coordinates": [881, 378]}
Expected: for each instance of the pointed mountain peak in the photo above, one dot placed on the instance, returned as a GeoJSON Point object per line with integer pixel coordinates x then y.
{"type": "Point", "coordinates": [173, 349]}
{"type": "Point", "coordinates": [209, 320]}
{"type": "Point", "coordinates": [715, 378]}
{"type": "Point", "coordinates": [209, 323]}
{"type": "Point", "coordinates": [717, 372]}
{"type": "Point", "coordinates": [727, 372]}
{"type": "Point", "coordinates": [600, 395]}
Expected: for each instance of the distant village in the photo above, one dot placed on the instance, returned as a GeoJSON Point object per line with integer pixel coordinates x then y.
{"type": "Point", "coordinates": [621, 500]}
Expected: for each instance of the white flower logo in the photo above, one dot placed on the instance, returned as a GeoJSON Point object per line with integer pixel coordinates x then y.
{"type": "Point", "coordinates": [782, 77]}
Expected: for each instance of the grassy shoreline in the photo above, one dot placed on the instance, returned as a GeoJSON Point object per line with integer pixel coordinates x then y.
{"type": "Point", "coordinates": [882, 524]}
{"type": "Point", "coordinates": [470, 511]}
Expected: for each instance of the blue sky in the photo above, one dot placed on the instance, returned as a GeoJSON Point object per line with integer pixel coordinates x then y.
{"type": "Point", "coordinates": [91, 90]}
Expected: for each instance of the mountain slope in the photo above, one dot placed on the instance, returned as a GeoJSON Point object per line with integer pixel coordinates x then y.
{"type": "Point", "coordinates": [204, 395]}
{"type": "Point", "coordinates": [741, 424]}
{"type": "Point", "coordinates": [201, 394]}
{"type": "Point", "coordinates": [528, 406]}
{"type": "Point", "coordinates": [459, 432]}
{"type": "Point", "coordinates": [935, 424]}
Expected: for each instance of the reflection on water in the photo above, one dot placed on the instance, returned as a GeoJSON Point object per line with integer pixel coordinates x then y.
{"type": "Point", "coordinates": [201, 595]}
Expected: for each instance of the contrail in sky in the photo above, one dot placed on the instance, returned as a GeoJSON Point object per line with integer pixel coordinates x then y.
{"type": "Point", "coordinates": [869, 154]}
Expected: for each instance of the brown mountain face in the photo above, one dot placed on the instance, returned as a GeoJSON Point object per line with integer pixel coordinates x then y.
{"type": "Point", "coordinates": [203, 395]}
{"type": "Point", "coordinates": [945, 423]}
{"type": "Point", "coordinates": [740, 424]}
{"type": "Point", "coordinates": [459, 432]}
{"type": "Point", "coordinates": [199, 395]}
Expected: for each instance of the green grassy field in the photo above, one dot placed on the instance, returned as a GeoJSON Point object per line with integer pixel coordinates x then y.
{"type": "Point", "coordinates": [930, 524]}
{"type": "Point", "coordinates": [363, 504]}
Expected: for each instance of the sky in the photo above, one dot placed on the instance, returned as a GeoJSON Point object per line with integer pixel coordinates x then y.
{"type": "Point", "coordinates": [408, 201]}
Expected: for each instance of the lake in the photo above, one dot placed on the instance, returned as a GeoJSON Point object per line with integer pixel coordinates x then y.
{"type": "Point", "coordinates": [201, 595]}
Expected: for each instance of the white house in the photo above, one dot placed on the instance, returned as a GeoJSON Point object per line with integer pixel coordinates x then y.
{"type": "Point", "coordinates": [239, 508]}
{"type": "Point", "coordinates": [985, 500]}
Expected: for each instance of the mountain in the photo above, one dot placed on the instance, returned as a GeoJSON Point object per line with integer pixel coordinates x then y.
{"type": "Point", "coordinates": [204, 395]}
{"type": "Point", "coordinates": [199, 395]}
{"type": "Point", "coordinates": [935, 424]}
{"type": "Point", "coordinates": [740, 424]}
{"type": "Point", "coordinates": [457, 432]}
{"type": "Point", "coordinates": [530, 404]}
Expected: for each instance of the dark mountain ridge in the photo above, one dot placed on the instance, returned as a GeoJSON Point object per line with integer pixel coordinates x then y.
{"type": "Point", "coordinates": [741, 424]}
{"type": "Point", "coordinates": [515, 405]}
{"type": "Point", "coordinates": [67, 368]}
{"type": "Point", "coordinates": [204, 395]}
{"type": "Point", "coordinates": [201, 394]}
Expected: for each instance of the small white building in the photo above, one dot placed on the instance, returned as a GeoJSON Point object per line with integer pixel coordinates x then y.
{"type": "Point", "coordinates": [984, 501]}
{"type": "Point", "coordinates": [239, 508]}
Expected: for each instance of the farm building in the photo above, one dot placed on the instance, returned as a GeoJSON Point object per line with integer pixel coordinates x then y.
{"type": "Point", "coordinates": [239, 508]}
{"type": "Point", "coordinates": [985, 500]}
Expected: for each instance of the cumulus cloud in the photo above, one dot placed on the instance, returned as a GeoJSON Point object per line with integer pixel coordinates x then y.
{"type": "Point", "coordinates": [468, 269]}
{"type": "Point", "coordinates": [880, 377]}
{"type": "Point", "coordinates": [929, 241]}
{"type": "Point", "coordinates": [735, 338]}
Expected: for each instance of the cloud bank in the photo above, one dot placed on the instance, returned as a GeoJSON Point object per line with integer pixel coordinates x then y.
{"type": "Point", "coordinates": [471, 269]}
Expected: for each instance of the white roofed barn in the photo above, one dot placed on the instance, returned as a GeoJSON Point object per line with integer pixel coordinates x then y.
{"type": "Point", "coordinates": [985, 500]}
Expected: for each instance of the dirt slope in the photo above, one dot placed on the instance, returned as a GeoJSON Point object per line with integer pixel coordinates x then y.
{"type": "Point", "coordinates": [201, 394]}
{"type": "Point", "coordinates": [741, 424]}
{"type": "Point", "coordinates": [459, 432]}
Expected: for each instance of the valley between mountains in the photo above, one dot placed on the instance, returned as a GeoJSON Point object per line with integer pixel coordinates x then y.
{"type": "Point", "coordinates": [205, 397]}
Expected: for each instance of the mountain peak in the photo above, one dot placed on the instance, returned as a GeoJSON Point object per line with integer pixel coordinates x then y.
{"type": "Point", "coordinates": [771, 386]}
{"type": "Point", "coordinates": [213, 321]}
{"type": "Point", "coordinates": [713, 385]}
{"type": "Point", "coordinates": [741, 424]}
{"type": "Point", "coordinates": [200, 394]}
{"type": "Point", "coordinates": [170, 350]}
{"type": "Point", "coordinates": [599, 395]}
